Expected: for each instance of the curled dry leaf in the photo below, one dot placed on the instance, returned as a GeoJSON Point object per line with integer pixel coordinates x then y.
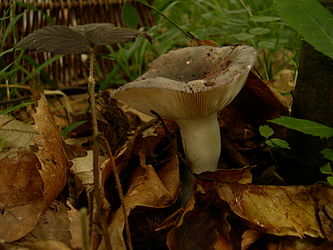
{"type": "Point", "coordinates": [54, 224]}
{"type": "Point", "coordinates": [83, 168]}
{"type": "Point", "coordinates": [50, 245]}
{"type": "Point", "coordinates": [248, 237]}
{"type": "Point", "coordinates": [15, 134]}
{"type": "Point", "coordinates": [282, 210]}
{"type": "Point", "coordinates": [51, 154]}
{"type": "Point", "coordinates": [148, 188]}
{"type": "Point", "coordinates": [202, 226]}
{"type": "Point", "coordinates": [299, 211]}
{"type": "Point", "coordinates": [31, 181]}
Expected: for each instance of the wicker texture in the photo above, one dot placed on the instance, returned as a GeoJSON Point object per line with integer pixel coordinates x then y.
{"type": "Point", "coordinates": [71, 69]}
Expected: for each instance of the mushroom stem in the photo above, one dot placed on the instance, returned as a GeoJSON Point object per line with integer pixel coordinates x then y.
{"type": "Point", "coordinates": [201, 142]}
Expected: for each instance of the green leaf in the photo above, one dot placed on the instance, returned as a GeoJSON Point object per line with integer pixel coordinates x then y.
{"type": "Point", "coordinates": [326, 168]}
{"type": "Point", "coordinates": [130, 16]}
{"type": "Point", "coordinates": [243, 36]}
{"type": "Point", "coordinates": [6, 52]}
{"type": "Point", "coordinates": [278, 143]}
{"type": "Point", "coordinates": [266, 131]}
{"type": "Point", "coordinates": [330, 180]}
{"type": "Point", "coordinates": [41, 67]}
{"type": "Point", "coordinates": [327, 153]}
{"type": "Point", "coordinates": [310, 19]}
{"type": "Point", "coordinates": [263, 19]}
{"type": "Point", "coordinates": [3, 72]}
{"type": "Point", "coordinates": [10, 28]}
{"type": "Point", "coordinates": [304, 126]}
{"type": "Point", "coordinates": [266, 44]}
{"type": "Point", "coordinates": [71, 127]}
{"type": "Point", "coordinates": [8, 110]}
{"type": "Point", "coordinates": [259, 31]}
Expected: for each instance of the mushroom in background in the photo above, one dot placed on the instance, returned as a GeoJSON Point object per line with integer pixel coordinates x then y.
{"type": "Point", "coordinates": [190, 86]}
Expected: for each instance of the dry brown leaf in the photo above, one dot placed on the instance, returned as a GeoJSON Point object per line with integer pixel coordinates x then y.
{"type": "Point", "coordinates": [293, 243]}
{"type": "Point", "coordinates": [51, 153]}
{"type": "Point", "coordinates": [20, 182]}
{"type": "Point", "coordinates": [50, 245]}
{"type": "Point", "coordinates": [238, 175]}
{"type": "Point", "coordinates": [15, 134]}
{"type": "Point", "coordinates": [201, 226]}
{"type": "Point", "coordinates": [44, 178]}
{"type": "Point", "coordinates": [248, 237]}
{"type": "Point", "coordinates": [149, 189]}
{"type": "Point", "coordinates": [52, 225]}
{"type": "Point", "coordinates": [198, 231]}
{"type": "Point", "coordinates": [83, 168]}
{"type": "Point", "coordinates": [16, 222]}
{"type": "Point", "coordinates": [74, 227]}
{"type": "Point", "coordinates": [281, 210]}
{"type": "Point", "coordinates": [121, 159]}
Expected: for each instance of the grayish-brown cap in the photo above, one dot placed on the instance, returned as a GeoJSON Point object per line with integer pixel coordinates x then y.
{"type": "Point", "coordinates": [190, 82]}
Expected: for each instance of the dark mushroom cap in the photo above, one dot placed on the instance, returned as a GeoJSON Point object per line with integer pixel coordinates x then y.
{"type": "Point", "coordinates": [190, 82]}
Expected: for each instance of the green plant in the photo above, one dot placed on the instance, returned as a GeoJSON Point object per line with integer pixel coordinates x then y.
{"type": "Point", "coordinates": [311, 20]}
{"type": "Point", "coordinates": [65, 131]}
{"type": "Point", "coordinates": [226, 22]}
{"type": "Point", "coordinates": [306, 127]}
{"type": "Point", "coordinates": [19, 61]}
{"type": "Point", "coordinates": [266, 131]}
{"type": "Point", "coordinates": [16, 107]}
{"type": "Point", "coordinates": [327, 167]}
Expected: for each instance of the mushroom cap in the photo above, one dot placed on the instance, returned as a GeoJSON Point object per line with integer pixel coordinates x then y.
{"type": "Point", "coordinates": [190, 82]}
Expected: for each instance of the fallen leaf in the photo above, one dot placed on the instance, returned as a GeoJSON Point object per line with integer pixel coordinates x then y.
{"type": "Point", "coordinates": [248, 237]}
{"type": "Point", "coordinates": [281, 210]}
{"type": "Point", "coordinates": [42, 174]}
{"type": "Point", "coordinates": [203, 225]}
{"type": "Point", "coordinates": [294, 243]}
{"type": "Point", "coordinates": [52, 225]}
{"type": "Point", "coordinates": [20, 182]}
{"type": "Point", "coordinates": [149, 188]}
{"type": "Point", "coordinates": [51, 152]}
{"type": "Point", "coordinates": [50, 245]}
{"type": "Point", "coordinates": [83, 168]}
{"type": "Point", "coordinates": [15, 134]}
{"type": "Point", "coordinates": [75, 227]}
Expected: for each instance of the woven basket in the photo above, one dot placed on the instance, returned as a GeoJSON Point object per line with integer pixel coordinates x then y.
{"type": "Point", "coordinates": [71, 69]}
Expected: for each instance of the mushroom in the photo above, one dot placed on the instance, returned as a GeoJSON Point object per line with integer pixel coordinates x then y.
{"type": "Point", "coordinates": [190, 86]}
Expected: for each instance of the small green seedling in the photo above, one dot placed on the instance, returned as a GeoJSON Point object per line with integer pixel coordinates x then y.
{"type": "Point", "coordinates": [327, 167]}
{"type": "Point", "coordinates": [16, 107]}
{"type": "Point", "coordinates": [65, 131]}
{"type": "Point", "coordinates": [306, 127]}
{"type": "Point", "coordinates": [266, 131]}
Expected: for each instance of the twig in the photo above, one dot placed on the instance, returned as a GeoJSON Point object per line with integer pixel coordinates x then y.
{"type": "Point", "coordinates": [84, 228]}
{"type": "Point", "coordinates": [97, 191]}
{"type": "Point", "coordinates": [15, 86]}
{"type": "Point", "coordinates": [120, 192]}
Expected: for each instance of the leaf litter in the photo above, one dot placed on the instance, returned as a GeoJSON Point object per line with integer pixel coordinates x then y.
{"type": "Point", "coordinates": [228, 210]}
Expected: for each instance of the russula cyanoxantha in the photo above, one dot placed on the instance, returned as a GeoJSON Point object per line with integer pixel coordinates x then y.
{"type": "Point", "coordinates": [190, 86]}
